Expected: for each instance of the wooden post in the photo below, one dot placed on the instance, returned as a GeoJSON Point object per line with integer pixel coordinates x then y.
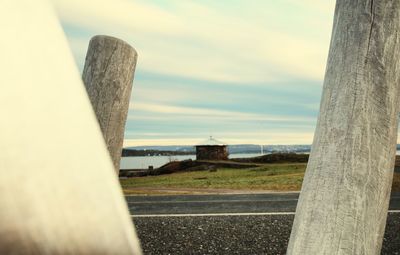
{"type": "Point", "coordinates": [108, 76]}
{"type": "Point", "coordinates": [343, 203]}
{"type": "Point", "coordinates": [58, 190]}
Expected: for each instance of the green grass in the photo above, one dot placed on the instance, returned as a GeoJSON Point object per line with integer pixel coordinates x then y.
{"type": "Point", "coordinates": [279, 177]}
{"type": "Point", "coordinates": [268, 177]}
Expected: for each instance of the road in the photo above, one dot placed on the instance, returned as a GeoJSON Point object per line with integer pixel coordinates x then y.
{"type": "Point", "coordinates": [221, 204]}
{"type": "Point", "coordinates": [228, 224]}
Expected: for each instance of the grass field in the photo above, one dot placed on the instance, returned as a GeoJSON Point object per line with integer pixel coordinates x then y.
{"type": "Point", "coordinates": [277, 177]}
{"type": "Point", "coordinates": [269, 177]}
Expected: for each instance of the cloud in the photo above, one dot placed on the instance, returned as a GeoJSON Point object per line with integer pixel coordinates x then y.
{"type": "Point", "coordinates": [173, 124]}
{"type": "Point", "coordinates": [289, 99]}
{"type": "Point", "coordinates": [245, 71]}
{"type": "Point", "coordinates": [273, 138]}
{"type": "Point", "coordinates": [79, 46]}
{"type": "Point", "coordinates": [212, 113]}
{"type": "Point", "coordinates": [196, 39]}
{"type": "Point", "coordinates": [324, 7]}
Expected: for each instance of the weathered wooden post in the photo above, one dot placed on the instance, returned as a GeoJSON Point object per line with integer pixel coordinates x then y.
{"type": "Point", "coordinates": [344, 199]}
{"type": "Point", "coordinates": [108, 76]}
{"type": "Point", "coordinates": [59, 191]}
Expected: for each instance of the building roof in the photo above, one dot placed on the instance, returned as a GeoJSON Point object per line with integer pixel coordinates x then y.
{"type": "Point", "coordinates": [211, 142]}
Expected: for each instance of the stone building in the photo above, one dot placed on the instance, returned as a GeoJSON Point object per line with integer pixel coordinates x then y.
{"type": "Point", "coordinates": [212, 149]}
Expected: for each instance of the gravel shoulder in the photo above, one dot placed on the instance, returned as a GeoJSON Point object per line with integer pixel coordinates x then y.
{"type": "Point", "coordinates": [266, 234]}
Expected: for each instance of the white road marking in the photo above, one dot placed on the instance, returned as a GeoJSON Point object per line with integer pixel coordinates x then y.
{"type": "Point", "coordinates": [224, 214]}
{"type": "Point", "coordinates": [210, 201]}
{"type": "Point", "coordinates": [211, 214]}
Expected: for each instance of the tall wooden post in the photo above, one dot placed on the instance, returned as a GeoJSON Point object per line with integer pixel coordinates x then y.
{"type": "Point", "coordinates": [58, 190]}
{"type": "Point", "coordinates": [343, 203]}
{"type": "Point", "coordinates": [108, 76]}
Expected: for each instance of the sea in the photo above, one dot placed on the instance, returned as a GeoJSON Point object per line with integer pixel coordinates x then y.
{"type": "Point", "coordinates": [143, 162]}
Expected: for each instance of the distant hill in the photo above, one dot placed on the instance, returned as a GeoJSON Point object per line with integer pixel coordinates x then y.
{"type": "Point", "coordinates": [133, 153]}
{"type": "Point", "coordinates": [163, 148]}
{"type": "Point", "coordinates": [233, 149]}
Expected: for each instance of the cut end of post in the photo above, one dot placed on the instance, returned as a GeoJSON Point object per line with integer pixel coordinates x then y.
{"type": "Point", "coordinates": [114, 39]}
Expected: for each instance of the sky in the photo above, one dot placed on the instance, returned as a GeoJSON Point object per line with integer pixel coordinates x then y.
{"type": "Point", "coordinates": [242, 71]}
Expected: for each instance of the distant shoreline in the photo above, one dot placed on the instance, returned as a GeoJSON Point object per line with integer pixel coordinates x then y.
{"type": "Point", "coordinates": [153, 152]}
{"type": "Point", "coordinates": [140, 153]}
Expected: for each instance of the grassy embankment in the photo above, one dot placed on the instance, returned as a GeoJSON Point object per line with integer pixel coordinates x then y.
{"type": "Point", "coordinates": [277, 177]}
{"type": "Point", "coordinates": [268, 177]}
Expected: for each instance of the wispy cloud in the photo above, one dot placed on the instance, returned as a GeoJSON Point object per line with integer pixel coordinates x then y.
{"type": "Point", "coordinates": [193, 39]}
{"type": "Point", "coordinates": [172, 124]}
{"type": "Point", "coordinates": [273, 138]}
{"type": "Point", "coordinates": [247, 71]}
{"type": "Point", "coordinates": [212, 113]}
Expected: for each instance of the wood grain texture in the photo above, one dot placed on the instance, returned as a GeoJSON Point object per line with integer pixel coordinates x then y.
{"type": "Point", "coordinates": [58, 190]}
{"type": "Point", "coordinates": [344, 199]}
{"type": "Point", "coordinates": [108, 75]}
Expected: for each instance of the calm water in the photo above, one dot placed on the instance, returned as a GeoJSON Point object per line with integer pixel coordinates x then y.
{"type": "Point", "coordinates": [157, 161]}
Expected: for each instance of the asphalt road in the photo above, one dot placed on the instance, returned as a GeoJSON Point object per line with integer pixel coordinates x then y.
{"type": "Point", "coordinates": [228, 224]}
{"type": "Point", "coordinates": [216, 204]}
